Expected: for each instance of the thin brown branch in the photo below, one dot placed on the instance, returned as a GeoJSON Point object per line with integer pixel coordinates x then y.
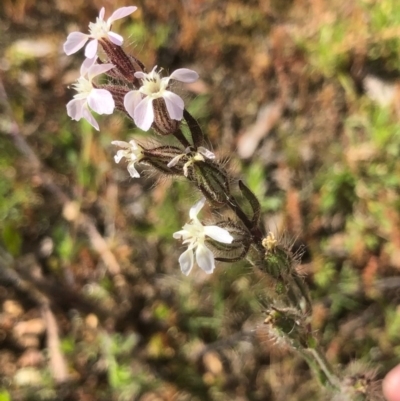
{"type": "Point", "coordinates": [58, 366]}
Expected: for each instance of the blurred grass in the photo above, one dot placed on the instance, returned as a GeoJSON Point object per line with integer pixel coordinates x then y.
{"type": "Point", "coordinates": [327, 175]}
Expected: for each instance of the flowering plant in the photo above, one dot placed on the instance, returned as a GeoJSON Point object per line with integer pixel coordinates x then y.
{"type": "Point", "coordinates": [148, 99]}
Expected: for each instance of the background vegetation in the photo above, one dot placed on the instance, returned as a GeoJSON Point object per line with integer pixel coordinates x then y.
{"type": "Point", "coordinates": [302, 98]}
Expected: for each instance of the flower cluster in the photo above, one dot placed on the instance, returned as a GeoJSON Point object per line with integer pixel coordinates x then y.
{"type": "Point", "coordinates": [139, 102]}
{"type": "Point", "coordinates": [148, 99]}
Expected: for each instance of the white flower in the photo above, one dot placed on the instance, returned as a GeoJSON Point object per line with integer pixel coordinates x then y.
{"type": "Point", "coordinates": [98, 30]}
{"type": "Point", "coordinates": [99, 100]}
{"type": "Point", "coordinates": [139, 103]}
{"type": "Point", "coordinates": [132, 152]}
{"type": "Point", "coordinates": [194, 234]}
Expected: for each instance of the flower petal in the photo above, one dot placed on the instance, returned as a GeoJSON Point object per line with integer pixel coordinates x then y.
{"type": "Point", "coordinates": [75, 41]}
{"type": "Point", "coordinates": [205, 152]}
{"type": "Point", "coordinates": [182, 234]}
{"type": "Point", "coordinates": [121, 144]}
{"type": "Point", "coordinates": [218, 234]}
{"type": "Point", "coordinates": [101, 101]}
{"type": "Point", "coordinates": [119, 155]}
{"type": "Point", "coordinates": [91, 48]}
{"type": "Point", "coordinates": [101, 14]}
{"type": "Point", "coordinates": [98, 69]}
{"type": "Point", "coordinates": [144, 114]}
{"type": "Point", "coordinates": [87, 115]}
{"type": "Point", "coordinates": [132, 171]}
{"type": "Point", "coordinates": [75, 107]}
{"type": "Point", "coordinates": [139, 74]}
{"type": "Point", "coordinates": [184, 75]}
{"type": "Point", "coordinates": [205, 259]}
{"type": "Point", "coordinates": [194, 210]}
{"type": "Point", "coordinates": [86, 65]}
{"type": "Point", "coordinates": [186, 261]}
{"type": "Point", "coordinates": [175, 105]}
{"type": "Point", "coordinates": [115, 38]}
{"type": "Point", "coordinates": [120, 13]}
{"type": "Point", "coordinates": [131, 100]}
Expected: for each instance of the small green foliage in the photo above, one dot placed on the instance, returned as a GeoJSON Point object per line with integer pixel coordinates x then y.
{"type": "Point", "coordinates": [11, 238]}
{"type": "Point", "coordinates": [68, 345]}
{"type": "Point", "coordinates": [64, 243]}
{"type": "Point", "coordinates": [257, 181]}
{"type": "Point", "coordinates": [392, 319]}
{"type": "Point", "coordinates": [327, 50]}
{"type": "Point", "coordinates": [325, 275]}
{"type": "Point", "coordinates": [200, 106]}
{"type": "Point", "coordinates": [337, 190]}
{"type": "Point", "coordinates": [161, 311]}
{"type": "Point", "coordinates": [5, 395]}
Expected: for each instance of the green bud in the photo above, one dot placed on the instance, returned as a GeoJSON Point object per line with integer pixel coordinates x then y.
{"type": "Point", "coordinates": [211, 179]}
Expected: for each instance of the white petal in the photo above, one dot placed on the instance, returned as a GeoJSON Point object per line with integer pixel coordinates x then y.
{"type": "Point", "coordinates": [75, 41]}
{"type": "Point", "coordinates": [98, 69]}
{"type": "Point", "coordinates": [175, 105]}
{"type": "Point", "coordinates": [121, 144]}
{"type": "Point", "coordinates": [87, 115]}
{"type": "Point", "coordinates": [115, 38]}
{"type": "Point", "coordinates": [86, 65]}
{"type": "Point", "coordinates": [132, 171]}
{"type": "Point", "coordinates": [205, 259]}
{"type": "Point", "coordinates": [184, 75]}
{"type": "Point", "coordinates": [120, 13]}
{"type": "Point", "coordinates": [182, 234]}
{"type": "Point", "coordinates": [144, 114]}
{"type": "Point", "coordinates": [101, 13]}
{"type": "Point", "coordinates": [139, 74]}
{"type": "Point", "coordinates": [205, 152]}
{"type": "Point", "coordinates": [75, 107]}
{"type": "Point", "coordinates": [91, 48]}
{"type": "Point", "coordinates": [194, 210]}
{"type": "Point", "coordinates": [101, 101]}
{"type": "Point", "coordinates": [219, 234]}
{"type": "Point", "coordinates": [131, 100]}
{"type": "Point", "coordinates": [119, 155]}
{"type": "Point", "coordinates": [174, 161]}
{"type": "Point", "coordinates": [186, 261]}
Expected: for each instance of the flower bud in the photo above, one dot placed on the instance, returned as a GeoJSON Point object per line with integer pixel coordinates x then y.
{"type": "Point", "coordinates": [209, 177]}
{"type": "Point", "coordinates": [280, 262]}
{"type": "Point", "coordinates": [160, 158]}
{"type": "Point", "coordinates": [289, 326]}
